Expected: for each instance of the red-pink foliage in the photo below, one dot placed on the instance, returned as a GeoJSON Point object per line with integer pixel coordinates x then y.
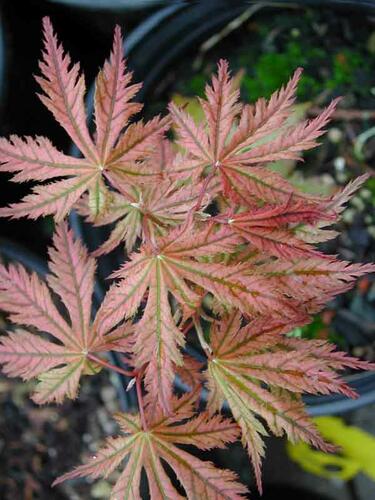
{"type": "Point", "coordinates": [210, 232]}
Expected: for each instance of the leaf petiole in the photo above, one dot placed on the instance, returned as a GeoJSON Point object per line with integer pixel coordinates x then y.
{"type": "Point", "coordinates": [110, 366]}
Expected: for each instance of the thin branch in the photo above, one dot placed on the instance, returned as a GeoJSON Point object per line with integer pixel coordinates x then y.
{"type": "Point", "coordinates": [345, 114]}
{"type": "Point", "coordinates": [110, 366]}
{"type": "Point", "coordinates": [138, 385]}
{"type": "Point", "coordinates": [202, 192]}
{"type": "Point", "coordinates": [205, 346]}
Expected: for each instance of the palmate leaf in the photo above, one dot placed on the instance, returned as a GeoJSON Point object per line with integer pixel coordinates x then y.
{"type": "Point", "coordinates": [55, 197]}
{"type": "Point", "coordinates": [261, 373]}
{"type": "Point", "coordinates": [113, 152]}
{"type": "Point", "coordinates": [112, 99]}
{"type": "Point", "coordinates": [43, 160]}
{"type": "Point", "coordinates": [150, 449]}
{"type": "Point", "coordinates": [174, 267]}
{"type": "Point", "coordinates": [240, 140]}
{"type": "Point", "coordinates": [249, 185]}
{"type": "Point", "coordinates": [59, 359]}
{"type": "Point", "coordinates": [272, 229]}
{"type": "Point", "coordinates": [149, 212]}
{"type": "Point", "coordinates": [64, 89]}
{"type": "Point", "coordinates": [314, 281]}
{"type": "Point", "coordinates": [317, 232]}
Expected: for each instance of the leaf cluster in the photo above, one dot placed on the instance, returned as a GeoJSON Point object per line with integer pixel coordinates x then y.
{"type": "Point", "coordinates": [211, 235]}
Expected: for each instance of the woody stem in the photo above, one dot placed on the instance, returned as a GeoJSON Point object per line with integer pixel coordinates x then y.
{"type": "Point", "coordinates": [137, 374]}
{"type": "Point", "coordinates": [110, 366]}
{"type": "Point", "coordinates": [202, 192]}
{"type": "Point", "coordinates": [198, 328]}
{"type": "Point", "coordinates": [187, 327]}
{"type": "Point", "coordinates": [138, 385]}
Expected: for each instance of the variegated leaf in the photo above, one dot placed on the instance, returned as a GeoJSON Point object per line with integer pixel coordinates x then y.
{"type": "Point", "coordinates": [151, 448]}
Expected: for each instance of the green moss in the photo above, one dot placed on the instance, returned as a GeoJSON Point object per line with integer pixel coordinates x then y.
{"type": "Point", "coordinates": [269, 64]}
{"type": "Point", "coordinates": [315, 329]}
{"type": "Point", "coordinates": [197, 84]}
{"type": "Point", "coordinates": [344, 68]}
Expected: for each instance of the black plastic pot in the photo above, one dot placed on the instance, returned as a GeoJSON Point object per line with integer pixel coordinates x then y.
{"type": "Point", "coordinates": [111, 4]}
{"type": "Point", "coordinates": [2, 60]}
{"type": "Point", "coordinates": [275, 492]}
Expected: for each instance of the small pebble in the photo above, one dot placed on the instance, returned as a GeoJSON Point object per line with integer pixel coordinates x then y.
{"type": "Point", "coordinates": [52, 452]}
{"type": "Point", "coordinates": [334, 135]}
{"type": "Point", "coordinates": [358, 203]}
{"type": "Point", "coordinates": [93, 447]}
{"type": "Point", "coordinates": [342, 177]}
{"type": "Point", "coordinates": [86, 438]}
{"type": "Point", "coordinates": [108, 394]}
{"type": "Point", "coordinates": [295, 32]}
{"type": "Point", "coordinates": [339, 163]}
{"type": "Point", "coordinates": [348, 215]}
{"type": "Point", "coordinates": [102, 489]}
{"type": "Point", "coordinates": [358, 352]}
{"type": "Point", "coordinates": [327, 180]}
{"type": "Point", "coordinates": [365, 194]}
{"type": "Point", "coordinates": [72, 495]}
{"type": "Point", "coordinates": [108, 425]}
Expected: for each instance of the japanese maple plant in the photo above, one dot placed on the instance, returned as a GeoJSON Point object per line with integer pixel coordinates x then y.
{"type": "Point", "coordinates": [217, 245]}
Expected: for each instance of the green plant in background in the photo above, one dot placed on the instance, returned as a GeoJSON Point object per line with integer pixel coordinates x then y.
{"type": "Point", "coordinates": [268, 72]}
{"type": "Point", "coordinates": [269, 55]}
{"type": "Point", "coordinates": [320, 327]}
{"type": "Point", "coordinates": [262, 81]}
{"type": "Point", "coordinates": [345, 65]}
